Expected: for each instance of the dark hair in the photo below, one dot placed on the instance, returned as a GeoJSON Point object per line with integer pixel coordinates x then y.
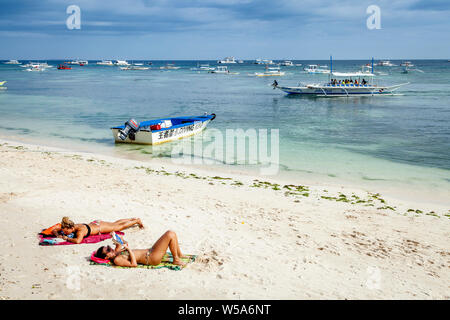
{"type": "Point", "coordinates": [100, 254]}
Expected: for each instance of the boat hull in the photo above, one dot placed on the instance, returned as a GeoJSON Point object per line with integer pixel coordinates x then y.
{"type": "Point", "coordinates": [338, 91]}
{"type": "Point", "coordinates": [149, 137]}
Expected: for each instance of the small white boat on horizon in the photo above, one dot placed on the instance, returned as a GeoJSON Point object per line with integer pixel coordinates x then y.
{"type": "Point", "coordinates": [227, 60]}
{"type": "Point", "coordinates": [385, 63]}
{"type": "Point", "coordinates": [105, 63]}
{"type": "Point", "coordinates": [202, 67]}
{"type": "Point", "coordinates": [121, 63]}
{"type": "Point", "coordinates": [222, 70]}
{"type": "Point", "coordinates": [316, 69]}
{"type": "Point", "coordinates": [134, 67]}
{"type": "Point", "coordinates": [12, 62]}
{"type": "Point", "coordinates": [270, 72]}
{"type": "Point", "coordinates": [287, 63]}
{"type": "Point", "coordinates": [169, 66]}
{"type": "Point", "coordinates": [406, 64]}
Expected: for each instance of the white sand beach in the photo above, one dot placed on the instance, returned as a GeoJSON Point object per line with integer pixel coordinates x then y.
{"type": "Point", "coordinates": [254, 240]}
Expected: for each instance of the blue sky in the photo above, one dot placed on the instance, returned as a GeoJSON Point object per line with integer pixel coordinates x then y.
{"type": "Point", "coordinates": [212, 29]}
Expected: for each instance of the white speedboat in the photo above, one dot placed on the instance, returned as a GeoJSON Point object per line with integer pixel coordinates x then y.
{"type": "Point", "coordinates": [160, 130]}
{"type": "Point", "coordinates": [316, 69]}
{"type": "Point", "coordinates": [35, 68]}
{"type": "Point", "coordinates": [105, 63]}
{"type": "Point", "coordinates": [121, 63]}
{"type": "Point", "coordinates": [12, 62]}
{"type": "Point", "coordinates": [287, 63]}
{"type": "Point", "coordinates": [227, 60]}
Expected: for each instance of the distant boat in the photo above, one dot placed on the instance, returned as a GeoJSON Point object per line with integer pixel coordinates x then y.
{"type": "Point", "coordinates": [134, 67]}
{"type": "Point", "coordinates": [222, 70]}
{"type": "Point", "coordinates": [160, 130]}
{"type": "Point", "coordinates": [169, 66]}
{"type": "Point", "coordinates": [32, 66]}
{"type": "Point", "coordinates": [287, 63]}
{"type": "Point", "coordinates": [385, 63]}
{"type": "Point", "coordinates": [227, 60]}
{"type": "Point", "coordinates": [406, 64]}
{"type": "Point", "coordinates": [203, 67]}
{"type": "Point", "coordinates": [105, 63]}
{"type": "Point", "coordinates": [342, 84]}
{"type": "Point", "coordinates": [270, 72]}
{"type": "Point", "coordinates": [121, 63]}
{"type": "Point", "coordinates": [12, 62]}
{"type": "Point", "coordinates": [1, 85]}
{"type": "Point", "coordinates": [78, 62]}
{"type": "Point", "coordinates": [64, 67]}
{"type": "Point", "coordinates": [314, 68]}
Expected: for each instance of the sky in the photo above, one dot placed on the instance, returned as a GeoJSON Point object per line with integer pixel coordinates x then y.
{"type": "Point", "coordinates": [213, 29]}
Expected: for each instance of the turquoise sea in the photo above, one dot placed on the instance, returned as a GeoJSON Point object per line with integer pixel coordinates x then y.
{"type": "Point", "coordinates": [399, 140]}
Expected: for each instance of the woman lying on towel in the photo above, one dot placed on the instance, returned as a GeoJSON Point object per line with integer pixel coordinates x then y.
{"type": "Point", "coordinates": [125, 257]}
{"type": "Point", "coordinates": [75, 233]}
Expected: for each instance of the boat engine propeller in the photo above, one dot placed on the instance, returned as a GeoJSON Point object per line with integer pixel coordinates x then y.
{"type": "Point", "coordinates": [131, 127]}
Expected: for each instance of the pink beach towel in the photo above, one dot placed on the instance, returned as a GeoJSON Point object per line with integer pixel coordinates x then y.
{"type": "Point", "coordinates": [91, 239]}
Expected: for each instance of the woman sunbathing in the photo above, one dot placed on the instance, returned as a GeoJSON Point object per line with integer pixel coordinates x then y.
{"type": "Point", "coordinates": [125, 257]}
{"type": "Point", "coordinates": [83, 230]}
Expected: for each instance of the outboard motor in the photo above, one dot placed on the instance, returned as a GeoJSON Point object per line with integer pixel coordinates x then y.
{"type": "Point", "coordinates": [131, 127]}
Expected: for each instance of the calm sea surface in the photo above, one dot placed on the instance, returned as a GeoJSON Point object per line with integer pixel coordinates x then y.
{"type": "Point", "coordinates": [402, 139]}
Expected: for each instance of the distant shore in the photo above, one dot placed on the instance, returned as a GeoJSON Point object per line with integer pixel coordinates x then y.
{"type": "Point", "coordinates": [257, 238]}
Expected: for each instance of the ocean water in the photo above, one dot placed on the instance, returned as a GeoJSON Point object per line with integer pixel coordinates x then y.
{"type": "Point", "coordinates": [402, 140]}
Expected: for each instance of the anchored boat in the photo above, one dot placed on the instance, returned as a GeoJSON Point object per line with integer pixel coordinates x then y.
{"type": "Point", "coordinates": [342, 84]}
{"type": "Point", "coordinates": [160, 130]}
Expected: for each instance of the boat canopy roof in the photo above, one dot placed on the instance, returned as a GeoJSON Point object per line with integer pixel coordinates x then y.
{"type": "Point", "coordinates": [352, 74]}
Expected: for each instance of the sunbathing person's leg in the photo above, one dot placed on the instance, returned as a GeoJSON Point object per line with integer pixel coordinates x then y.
{"type": "Point", "coordinates": [119, 225]}
{"type": "Point", "coordinates": [167, 240]}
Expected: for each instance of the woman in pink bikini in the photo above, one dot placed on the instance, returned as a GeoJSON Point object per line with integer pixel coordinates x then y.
{"type": "Point", "coordinates": [80, 231]}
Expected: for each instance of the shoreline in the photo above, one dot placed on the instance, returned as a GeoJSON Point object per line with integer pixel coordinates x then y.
{"type": "Point", "coordinates": [396, 190]}
{"type": "Point", "coordinates": [254, 239]}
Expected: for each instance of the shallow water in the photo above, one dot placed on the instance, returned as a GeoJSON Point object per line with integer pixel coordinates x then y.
{"type": "Point", "coordinates": [401, 139]}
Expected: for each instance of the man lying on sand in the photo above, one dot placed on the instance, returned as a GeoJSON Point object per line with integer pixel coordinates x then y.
{"type": "Point", "coordinates": [125, 257]}
{"type": "Point", "coordinates": [82, 230]}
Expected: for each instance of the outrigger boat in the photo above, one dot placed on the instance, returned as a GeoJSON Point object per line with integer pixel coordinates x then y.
{"type": "Point", "coordinates": [336, 88]}
{"type": "Point", "coordinates": [160, 130]}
